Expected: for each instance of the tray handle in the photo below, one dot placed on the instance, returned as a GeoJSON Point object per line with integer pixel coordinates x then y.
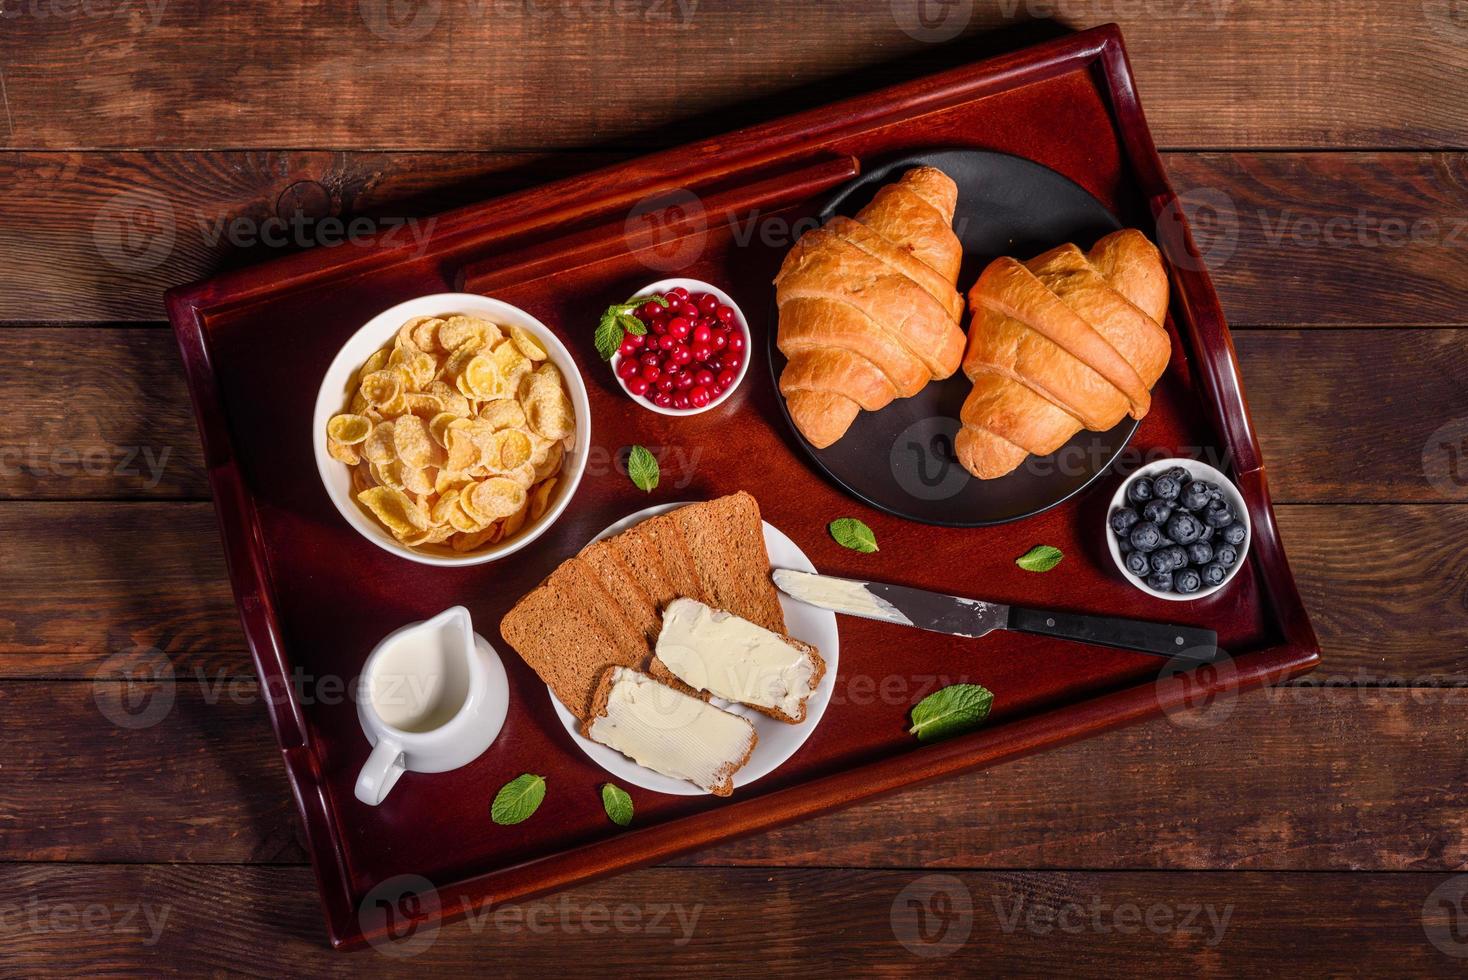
{"type": "Point", "coordinates": [665, 218]}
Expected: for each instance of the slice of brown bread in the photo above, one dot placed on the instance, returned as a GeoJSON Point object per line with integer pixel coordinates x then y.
{"type": "Point", "coordinates": [637, 548]}
{"type": "Point", "coordinates": [726, 538]}
{"type": "Point", "coordinates": [560, 636]}
{"type": "Point", "coordinates": [617, 580]}
{"type": "Point", "coordinates": [659, 671]}
{"type": "Point", "coordinates": [667, 536]}
{"type": "Point", "coordinates": [630, 643]}
{"type": "Point", "coordinates": [723, 782]}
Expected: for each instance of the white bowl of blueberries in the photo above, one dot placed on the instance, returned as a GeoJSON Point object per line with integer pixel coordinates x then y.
{"type": "Point", "coordinates": [1178, 529]}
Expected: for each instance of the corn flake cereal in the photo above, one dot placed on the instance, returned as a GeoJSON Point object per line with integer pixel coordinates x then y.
{"type": "Point", "coordinates": [455, 433]}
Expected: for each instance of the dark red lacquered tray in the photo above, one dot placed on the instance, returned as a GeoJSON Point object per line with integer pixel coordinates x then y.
{"type": "Point", "coordinates": [315, 597]}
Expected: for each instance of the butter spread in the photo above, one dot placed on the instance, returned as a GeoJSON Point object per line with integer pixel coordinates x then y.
{"type": "Point", "coordinates": [670, 732]}
{"type": "Point", "coordinates": [838, 594]}
{"type": "Point", "coordinates": [732, 658]}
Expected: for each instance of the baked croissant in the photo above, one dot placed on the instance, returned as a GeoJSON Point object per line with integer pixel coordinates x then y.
{"type": "Point", "coordinates": [869, 309]}
{"type": "Point", "coordinates": [1065, 341]}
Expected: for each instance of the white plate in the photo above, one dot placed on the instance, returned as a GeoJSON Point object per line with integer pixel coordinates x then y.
{"type": "Point", "coordinates": [778, 740]}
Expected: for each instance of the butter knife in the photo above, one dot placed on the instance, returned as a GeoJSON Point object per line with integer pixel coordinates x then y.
{"type": "Point", "coordinates": [958, 616]}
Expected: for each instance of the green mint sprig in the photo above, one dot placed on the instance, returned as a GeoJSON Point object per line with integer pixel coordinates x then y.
{"type": "Point", "coordinates": [618, 321]}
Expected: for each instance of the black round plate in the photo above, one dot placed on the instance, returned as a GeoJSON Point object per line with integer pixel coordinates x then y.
{"type": "Point", "coordinates": [900, 459]}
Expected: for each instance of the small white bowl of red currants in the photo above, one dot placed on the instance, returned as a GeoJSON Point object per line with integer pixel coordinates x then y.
{"type": "Point", "coordinates": [1178, 529]}
{"type": "Point", "coordinates": [694, 353]}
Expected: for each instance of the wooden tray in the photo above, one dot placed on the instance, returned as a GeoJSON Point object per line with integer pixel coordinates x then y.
{"type": "Point", "coordinates": [314, 596]}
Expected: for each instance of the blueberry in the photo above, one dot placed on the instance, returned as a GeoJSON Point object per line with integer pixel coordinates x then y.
{"type": "Point", "coordinates": [1225, 555]}
{"type": "Point", "coordinates": [1166, 487]}
{"type": "Point", "coordinates": [1195, 495]}
{"type": "Point", "coordinates": [1161, 581]}
{"type": "Point", "coordinates": [1145, 536]}
{"type": "Point", "coordinates": [1124, 546]}
{"type": "Point", "coordinates": [1187, 581]}
{"type": "Point", "coordinates": [1234, 534]}
{"type": "Point", "coordinates": [1218, 514]}
{"type": "Point", "coordinates": [1214, 493]}
{"type": "Point", "coordinates": [1140, 490]}
{"type": "Point", "coordinates": [1123, 519]}
{"type": "Point", "coordinates": [1157, 511]}
{"type": "Point", "coordinates": [1160, 560]}
{"type": "Point", "coordinates": [1184, 528]}
{"type": "Point", "coordinates": [1137, 564]}
{"type": "Point", "coordinates": [1214, 573]}
{"type": "Point", "coordinates": [1208, 533]}
{"type": "Point", "coordinates": [1200, 552]}
{"type": "Point", "coordinates": [1178, 473]}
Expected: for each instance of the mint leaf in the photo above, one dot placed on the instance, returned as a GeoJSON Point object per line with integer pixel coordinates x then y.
{"type": "Point", "coordinates": [642, 468]}
{"type": "Point", "coordinates": [518, 799]}
{"type": "Point", "coordinates": [949, 711]}
{"type": "Point", "coordinates": [1040, 559]}
{"type": "Point", "coordinates": [617, 321]}
{"type": "Point", "coordinates": [608, 336]}
{"type": "Point", "coordinates": [852, 533]}
{"type": "Point", "coordinates": [617, 803]}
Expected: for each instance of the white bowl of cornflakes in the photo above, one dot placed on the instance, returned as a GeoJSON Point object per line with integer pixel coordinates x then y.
{"type": "Point", "coordinates": [452, 429]}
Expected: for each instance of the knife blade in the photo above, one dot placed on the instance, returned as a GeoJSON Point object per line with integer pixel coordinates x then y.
{"type": "Point", "coordinates": [960, 616]}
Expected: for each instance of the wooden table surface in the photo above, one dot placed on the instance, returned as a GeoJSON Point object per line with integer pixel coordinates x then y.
{"type": "Point", "coordinates": [1316, 827]}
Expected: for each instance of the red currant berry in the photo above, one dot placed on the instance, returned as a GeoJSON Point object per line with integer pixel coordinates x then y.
{"type": "Point", "coordinates": [708, 303]}
{"type": "Point", "coordinates": [702, 352]}
{"type": "Point", "coordinates": [704, 377]}
{"type": "Point", "coordinates": [651, 372]}
{"type": "Point", "coordinates": [736, 342]}
{"type": "Point", "coordinates": [719, 339]}
{"type": "Point", "coordinates": [725, 314]}
{"type": "Point", "coordinates": [681, 354]}
{"type": "Point", "coordinates": [677, 291]}
{"type": "Point", "coordinates": [667, 341]}
{"type": "Point", "coordinates": [667, 383]}
{"type": "Point", "coordinates": [649, 311]}
{"type": "Point", "coordinates": [681, 401]}
{"type": "Point", "coordinates": [638, 386]}
{"type": "Point", "coordinates": [627, 367]}
{"type": "Point", "coordinates": [685, 381]}
{"type": "Point", "coordinates": [731, 362]}
{"type": "Point", "coordinates": [627, 350]}
{"type": "Point", "coordinates": [699, 396]}
{"type": "Point", "coordinates": [679, 327]}
{"type": "Point", "coordinates": [663, 400]}
{"type": "Point", "coordinates": [726, 378]}
{"type": "Point", "coordinates": [658, 327]}
{"type": "Point", "coordinates": [635, 339]}
{"type": "Point", "coordinates": [701, 334]}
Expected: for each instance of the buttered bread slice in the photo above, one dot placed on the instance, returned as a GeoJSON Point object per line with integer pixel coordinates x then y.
{"type": "Point", "coordinates": [731, 658]}
{"type": "Point", "coordinates": [668, 731]}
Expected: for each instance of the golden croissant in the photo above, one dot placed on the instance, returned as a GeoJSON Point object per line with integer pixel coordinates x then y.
{"type": "Point", "coordinates": [1065, 341]}
{"type": "Point", "coordinates": [869, 306]}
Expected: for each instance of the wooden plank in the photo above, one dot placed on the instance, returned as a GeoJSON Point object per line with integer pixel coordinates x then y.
{"type": "Point", "coordinates": [85, 581]}
{"type": "Point", "coordinates": [513, 75]}
{"type": "Point", "coordinates": [1291, 238]}
{"type": "Point", "coordinates": [1166, 794]}
{"type": "Point", "coordinates": [1328, 239]}
{"type": "Point", "coordinates": [100, 236]}
{"type": "Point", "coordinates": [164, 920]}
{"type": "Point", "coordinates": [103, 413]}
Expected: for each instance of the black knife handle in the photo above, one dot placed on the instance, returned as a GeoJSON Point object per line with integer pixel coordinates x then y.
{"type": "Point", "coordinates": [1128, 634]}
